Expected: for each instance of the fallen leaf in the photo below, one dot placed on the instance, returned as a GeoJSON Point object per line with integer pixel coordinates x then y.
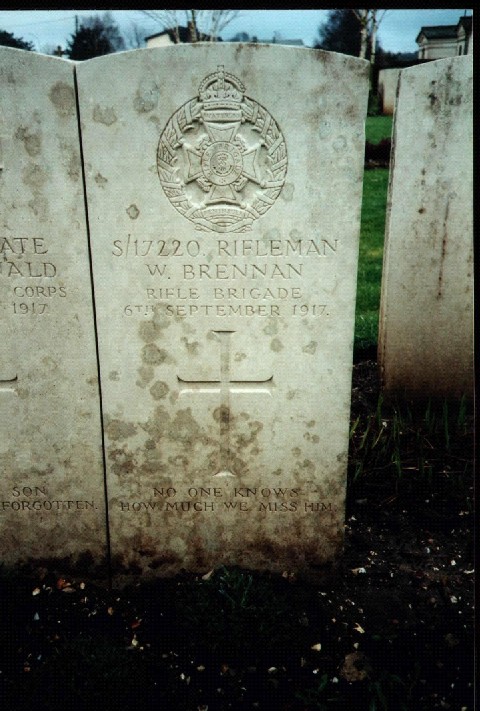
{"type": "Point", "coordinates": [316, 647]}
{"type": "Point", "coordinates": [136, 624]}
{"type": "Point", "coordinates": [355, 571]}
{"type": "Point", "coordinates": [355, 667]}
{"type": "Point", "coordinates": [37, 591]}
{"type": "Point", "coordinates": [208, 575]}
{"type": "Point", "coordinates": [358, 628]}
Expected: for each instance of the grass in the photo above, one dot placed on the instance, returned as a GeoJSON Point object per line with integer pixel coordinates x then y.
{"type": "Point", "coordinates": [371, 241]}
{"type": "Point", "coordinates": [370, 258]}
{"type": "Point", "coordinates": [410, 447]}
{"type": "Point", "coordinates": [377, 128]}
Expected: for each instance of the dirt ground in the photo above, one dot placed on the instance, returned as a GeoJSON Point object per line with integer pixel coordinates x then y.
{"type": "Point", "coordinates": [390, 627]}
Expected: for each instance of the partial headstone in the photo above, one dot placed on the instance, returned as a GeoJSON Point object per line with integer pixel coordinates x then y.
{"type": "Point", "coordinates": [224, 188]}
{"type": "Point", "coordinates": [387, 88]}
{"type": "Point", "coordinates": [426, 319]}
{"type": "Point", "coordinates": [52, 507]}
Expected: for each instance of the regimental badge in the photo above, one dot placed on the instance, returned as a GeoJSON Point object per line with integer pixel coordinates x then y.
{"type": "Point", "coordinates": [221, 158]}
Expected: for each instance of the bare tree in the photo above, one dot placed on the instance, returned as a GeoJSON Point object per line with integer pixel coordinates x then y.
{"type": "Point", "coordinates": [202, 24]}
{"type": "Point", "coordinates": [369, 23]}
{"type": "Point", "coordinates": [135, 36]}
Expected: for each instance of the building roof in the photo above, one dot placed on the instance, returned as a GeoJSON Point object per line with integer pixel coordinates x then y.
{"type": "Point", "coordinates": [438, 32]}
{"type": "Point", "coordinates": [184, 34]}
{"type": "Point", "coordinates": [466, 23]}
{"type": "Point", "coordinates": [434, 32]}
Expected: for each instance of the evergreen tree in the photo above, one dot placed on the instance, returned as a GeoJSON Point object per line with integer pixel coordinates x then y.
{"type": "Point", "coordinates": [9, 40]}
{"type": "Point", "coordinates": [340, 33]}
{"type": "Point", "coordinates": [95, 37]}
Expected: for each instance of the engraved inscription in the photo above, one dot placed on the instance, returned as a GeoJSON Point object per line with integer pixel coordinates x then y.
{"type": "Point", "coordinates": [246, 499]}
{"type": "Point", "coordinates": [221, 158]}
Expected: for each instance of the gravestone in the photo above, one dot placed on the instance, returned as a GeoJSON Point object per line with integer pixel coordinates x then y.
{"type": "Point", "coordinates": [426, 316]}
{"type": "Point", "coordinates": [52, 493]}
{"type": "Point", "coordinates": [224, 188]}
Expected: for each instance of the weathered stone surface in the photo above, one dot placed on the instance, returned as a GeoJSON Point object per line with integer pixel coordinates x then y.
{"type": "Point", "coordinates": [224, 189]}
{"type": "Point", "coordinates": [52, 503]}
{"type": "Point", "coordinates": [426, 322]}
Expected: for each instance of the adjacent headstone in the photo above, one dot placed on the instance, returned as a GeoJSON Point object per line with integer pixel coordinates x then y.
{"type": "Point", "coordinates": [224, 189]}
{"type": "Point", "coordinates": [387, 88]}
{"type": "Point", "coordinates": [51, 490]}
{"type": "Point", "coordinates": [426, 321]}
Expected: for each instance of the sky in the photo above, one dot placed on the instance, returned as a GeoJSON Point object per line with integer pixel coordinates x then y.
{"type": "Point", "coordinates": [47, 29]}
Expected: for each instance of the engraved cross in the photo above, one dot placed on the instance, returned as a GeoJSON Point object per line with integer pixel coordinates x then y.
{"type": "Point", "coordinates": [9, 385]}
{"type": "Point", "coordinates": [225, 387]}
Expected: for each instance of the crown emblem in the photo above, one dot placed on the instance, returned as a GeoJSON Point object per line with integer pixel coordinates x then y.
{"type": "Point", "coordinates": [221, 90]}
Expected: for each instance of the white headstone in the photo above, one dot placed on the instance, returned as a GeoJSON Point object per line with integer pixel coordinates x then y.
{"type": "Point", "coordinates": [224, 188]}
{"type": "Point", "coordinates": [426, 320]}
{"type": "Point", "coordinates": [52, 494]}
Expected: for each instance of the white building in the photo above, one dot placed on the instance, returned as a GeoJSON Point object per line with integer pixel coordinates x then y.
{"type": "Point", "coordinates": [441, 41]}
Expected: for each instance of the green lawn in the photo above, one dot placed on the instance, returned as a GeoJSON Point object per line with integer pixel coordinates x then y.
{"type": "Point", "coordinates": [371, 241]}
{"type": "Point", "coordinates": [378, 127]}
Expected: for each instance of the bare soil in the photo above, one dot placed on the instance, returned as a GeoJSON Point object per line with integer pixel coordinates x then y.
{"type": "Point", "coordinates": [390, 627]}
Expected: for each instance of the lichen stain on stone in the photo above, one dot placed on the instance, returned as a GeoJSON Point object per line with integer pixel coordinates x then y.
{"type": "Point", "coordinates": [185, 428]}
{"type": "Point", "coordinates": [133, 212]}
{"type": "Point", "coordinates": [157, 425]}
{"type": "Point", "coordinates": [159, 390]}
{"type": "Point", "coordinates": [222, 414]}
{"type": "Point", "coordinates": [113, 375]}
{"type": "Point", "coordinates": [271, 329]}
{"type": "Point", "coordinates": [276, 345]}
{"type": "Point", "coordinates": [117, 429]}
{"type": "Point", "coordinates": [242, 441]}
{"type": "Point", "coordinates": [152, 355]}
{"type": "Point", "coordinates": [192, 348]}
{"type": "Point", "coordinates": [100, 180]}
{"type": "Point", "coordinates": [104, 115]}
{"type": "Point", "coordinates": [291, 394]}
{"type": "Point", "coordinates": [310, 348]}
{"type": "Point", "coordinates": [62, 97]}
{"type": "Point", "coordinates": [122, 462]}
{"type": "Point", "coordinates": [305, 468]}
{"type": "Point", "coordinates": [146, 374]}
{"type": "Point", "coordinates": [73, 163]}
{"type": "Point", "coordinates": [273, 234]}
{"type": "Point", "coordinates": [34, 176]}
{"type": "Point", "coordinates": [39, 207]}
{"type": "Point", "coordinates": [146, 97]}
{"type": "Point", "coordinates": [178, 461]}
{"type": "Point", "coordinates": [239, 357]}
{"type": "Point", "coordinates": [32, 142]}
{"type": "Point", "coordinates": [287, 192]}
{"type": "Point", "coordinates": [149, 331]}
{"type": "Point", "coordinates": [161, 321]}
